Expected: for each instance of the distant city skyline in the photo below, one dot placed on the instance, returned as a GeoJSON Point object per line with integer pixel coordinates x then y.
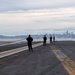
{"type": "Point", "coordinates": [64, 35]}
{"type": "Point", "coordinates": [38, 32]}
{"type": "Point", "coordinates": [36, 16]}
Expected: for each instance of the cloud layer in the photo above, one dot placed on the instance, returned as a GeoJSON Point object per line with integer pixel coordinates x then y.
{"type": "Point", "coordinates": [10, 5]}
{"type": "Point", "coordinates": [21, 16]}
{"type": "Point", "coordinates": [53, 19]}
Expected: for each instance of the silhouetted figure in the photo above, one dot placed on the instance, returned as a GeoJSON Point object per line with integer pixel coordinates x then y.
{"type": "Point", "coordinates": [29, 41]}
{"type": "Point", "coordinates": [53, 38]}
{"type": "Point", "coordinates": [50, 39]}
{"type": "Point", "coordinates": [44, 40]}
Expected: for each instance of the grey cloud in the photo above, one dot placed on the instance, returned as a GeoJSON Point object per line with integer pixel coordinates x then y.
{"type": "Point", "coordinates": [10, 5]}
{"type": "Point", "coordinates": [67, 19]}
{"type": "Point", "coordinates": [63, 29]}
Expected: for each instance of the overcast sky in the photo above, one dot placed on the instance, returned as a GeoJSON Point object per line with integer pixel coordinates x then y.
{"type": "Point", "coordinates": [27, 16]}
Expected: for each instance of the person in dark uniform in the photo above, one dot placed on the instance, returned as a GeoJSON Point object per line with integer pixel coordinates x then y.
{"type": "Point", "coordinates": [53, 38]}
{"type": "Point", "coordinates": [44, 40]}
{"type": "Point", "coordinates": [29, 41]}
{"type": "Point", "coordinates": [50, 39]}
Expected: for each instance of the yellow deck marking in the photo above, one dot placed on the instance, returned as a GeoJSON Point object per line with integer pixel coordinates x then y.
{"type": "Point", "coordinates": [68, 64]}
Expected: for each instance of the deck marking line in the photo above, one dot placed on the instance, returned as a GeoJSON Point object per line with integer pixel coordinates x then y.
{"type": "Point", "coordinates": [68, 63]}
{"type": "Point", "coordinates": [17, 50]}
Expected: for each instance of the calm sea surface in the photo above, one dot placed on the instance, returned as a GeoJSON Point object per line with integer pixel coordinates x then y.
{"type": "Point", "coordinates": [57, 39]}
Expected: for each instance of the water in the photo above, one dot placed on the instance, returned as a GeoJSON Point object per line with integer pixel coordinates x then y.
{"type": "Point", "coordinates": [65, 39]}
{"type": "Point", "coordinates": [9, 39]}
{"type": "Point", "coordinates": [57, 39]}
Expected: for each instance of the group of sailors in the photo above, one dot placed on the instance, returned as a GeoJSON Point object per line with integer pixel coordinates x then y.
{"type": "Point", "coordinates": [52, 39]}
{"type": "Point", "coordinates": [30, 39]}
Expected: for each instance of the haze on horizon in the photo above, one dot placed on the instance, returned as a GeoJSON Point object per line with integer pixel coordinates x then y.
{"type": "Point", "coordinates": [36, 16]}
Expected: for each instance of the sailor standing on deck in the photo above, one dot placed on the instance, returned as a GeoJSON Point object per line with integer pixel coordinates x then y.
{"type": "Point", "coordinates": [44, 40]}
{"type": "Point", "coordinates": [50, 39]}
{"type": "Point", "coordinates": [53, 38]}
{"type": "Point", "coordinates": [29, 41]}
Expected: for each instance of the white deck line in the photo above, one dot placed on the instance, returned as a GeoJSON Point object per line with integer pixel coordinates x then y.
{"type": "Point", "coordinates": [14, 51]}
{"type": "Point", "coordinates": [11, 43]}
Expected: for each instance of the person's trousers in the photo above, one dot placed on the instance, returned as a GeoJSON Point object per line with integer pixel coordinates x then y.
{"type": "Point", "coordinates": [30, 48]}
